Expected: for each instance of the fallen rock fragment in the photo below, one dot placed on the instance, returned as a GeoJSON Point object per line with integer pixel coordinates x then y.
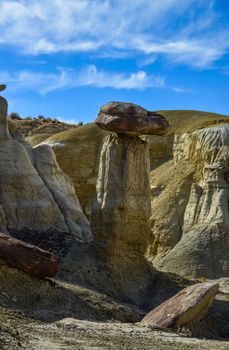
{"type": "Point", "coordinates": [190, 304]}
{"type": "Point", "coordinates": [27, 257]}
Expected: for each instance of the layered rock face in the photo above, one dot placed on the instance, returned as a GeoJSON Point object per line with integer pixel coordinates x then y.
{"type": "Point", "coordinates": [198, 245]}
{"type": "Point", "coordinates": [33, 189]}
{"type": "Point", "coordinates": [84, 145]}
{"type": "Point", "coordinates": [62, 190]}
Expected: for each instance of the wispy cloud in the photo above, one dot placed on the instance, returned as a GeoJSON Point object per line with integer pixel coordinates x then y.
{"type": "Point", "coordinates": [89, 76]}
{"type": "Point", "coordinates": [109, 27]}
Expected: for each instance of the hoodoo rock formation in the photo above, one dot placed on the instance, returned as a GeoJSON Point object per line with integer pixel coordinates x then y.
{"type": "Point", "coordinates": [35, 193]}
{"type": "Point", "coordinates": [121, 211]}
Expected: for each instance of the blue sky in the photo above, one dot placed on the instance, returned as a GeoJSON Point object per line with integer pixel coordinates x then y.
{"type": "Point", "coordinates": [65, 58]}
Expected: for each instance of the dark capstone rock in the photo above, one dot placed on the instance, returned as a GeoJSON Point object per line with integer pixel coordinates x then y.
{"type": "Point", "coordinates": [131, 119]}
{"type": "Point", "coordinates": [2, 87]}
{"type": "Point", "coordinates": [123, 109]}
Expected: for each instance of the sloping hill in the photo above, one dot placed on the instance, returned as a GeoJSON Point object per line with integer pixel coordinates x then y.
{"type": "Point", "coordinates": [190, 120]}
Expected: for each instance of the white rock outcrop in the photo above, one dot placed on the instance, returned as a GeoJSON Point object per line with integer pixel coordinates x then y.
{"type": "Point", "coordinates": [201, 248]}
{"type": "Point", "coordinates": [34, 192]}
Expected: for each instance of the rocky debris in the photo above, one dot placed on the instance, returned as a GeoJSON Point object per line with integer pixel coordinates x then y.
{"type": "Point", "coordinates": [84, 145]}
{"type": "Point", "coordinates": [131, 119]}
{"type": "Point", "coordinates": [52, 240]}
{"type": "Point", "coordinates": [121, 211]}
{"type": "Point", "coordinates": [53, 299]}
{"type": "Point", "coordinates": [34, 189]}
{"type": "Point", "coordinates": [190, 304]}
{"type": "Point", "coordinates": [27, 257]}
{"type": "Point", "coordinates": [198, 246]}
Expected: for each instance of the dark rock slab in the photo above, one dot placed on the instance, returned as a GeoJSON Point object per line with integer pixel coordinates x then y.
{"type": "Point", "coordinates": [190, 304]}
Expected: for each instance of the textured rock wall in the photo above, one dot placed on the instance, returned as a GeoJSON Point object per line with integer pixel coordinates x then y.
{"type": "Point", "coordinates": [34, 192]}
{"type": "Point", "coordinates": [62, 190]}
{"type": "Point", "coordinates": [122, 208]}
{"type": "Point", "coordinates": [202, 246]}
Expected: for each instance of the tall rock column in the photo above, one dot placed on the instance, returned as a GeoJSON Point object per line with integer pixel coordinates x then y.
{"type": "Point", "coordinates": [4, 131]}
{"type": "Point", "coordinates": [122, 209]}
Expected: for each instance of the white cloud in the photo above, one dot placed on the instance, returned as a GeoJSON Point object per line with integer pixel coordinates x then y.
{"type": "Point", "coordinates": [115, 27]}
{"type": "Point", "coordinates": [89, 76]}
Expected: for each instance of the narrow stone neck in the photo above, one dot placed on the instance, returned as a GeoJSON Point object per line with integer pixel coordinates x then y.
{"type": "Point", "coordinates": [4, 130]}
{"type": "Point", "coordinates": [119, 137]}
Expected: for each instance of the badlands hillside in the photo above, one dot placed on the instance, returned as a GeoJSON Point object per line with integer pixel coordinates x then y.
{"type": "Point", "coordinates": [126, 244]}
{"type": "Point", "coordinates": [83, 144]}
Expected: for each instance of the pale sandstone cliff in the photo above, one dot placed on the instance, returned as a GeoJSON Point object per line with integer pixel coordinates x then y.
{"type": "Point", "coordinates": [78, 151]}
{"type": "Point", "coordinates": [35, 193]}
{"type": "Point", "coordinates": [193, 237]}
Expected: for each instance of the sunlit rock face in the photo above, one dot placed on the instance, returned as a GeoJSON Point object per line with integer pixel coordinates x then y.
{"type": "Point", "coordinates": [198, 245]}
{"type": "Point", "coordinates": [34, 191]}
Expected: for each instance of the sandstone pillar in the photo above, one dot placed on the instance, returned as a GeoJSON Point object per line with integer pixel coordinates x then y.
{"type": "Point", "coordinates": [122, 209]}
{"type": "Point", "coordinates": [4, 131]}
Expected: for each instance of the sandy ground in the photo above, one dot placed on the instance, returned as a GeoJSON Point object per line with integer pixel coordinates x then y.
{"type": "Point", "coordinates": [20, 332]}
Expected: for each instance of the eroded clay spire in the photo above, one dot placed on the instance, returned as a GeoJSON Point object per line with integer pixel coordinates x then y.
{"type": "Point", "coordinates": [4, 131]}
